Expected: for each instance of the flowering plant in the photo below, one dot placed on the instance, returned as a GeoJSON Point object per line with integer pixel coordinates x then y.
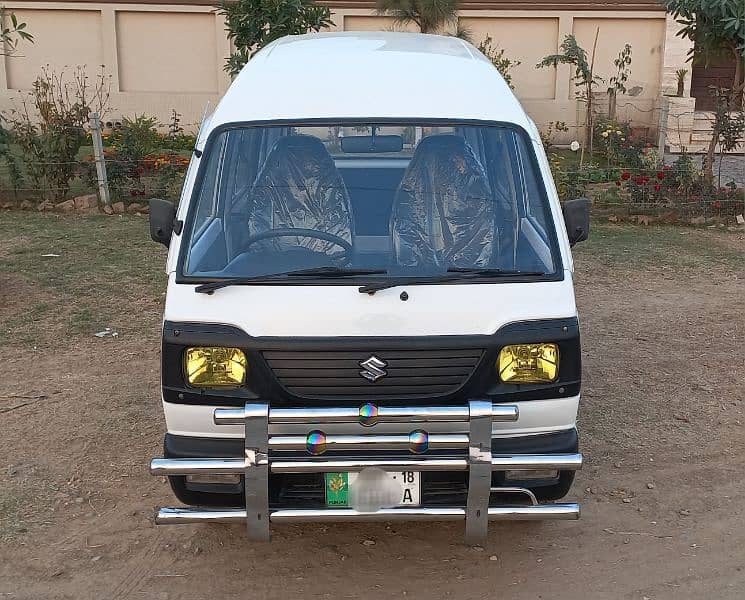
{"type": "Point", "coordinates": [681, 187]}
{"type": "Point", "coordinates": [610, 137]}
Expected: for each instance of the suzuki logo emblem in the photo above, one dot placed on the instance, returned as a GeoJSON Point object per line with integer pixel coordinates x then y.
{"type": "Point", "coordinates": [373, 368]}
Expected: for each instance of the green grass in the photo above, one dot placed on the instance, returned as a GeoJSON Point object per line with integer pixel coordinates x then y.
{"type": "Point", "coordinates": [96, 253]}
{"type": "Point", "coordinates": [106, 267]}
{"type": "Point", "coordinates": [630, 247]}
{"type": "Point", "coordinates": [570, 158]}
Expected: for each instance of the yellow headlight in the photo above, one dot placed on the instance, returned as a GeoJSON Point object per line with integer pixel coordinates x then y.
{"type": "Point", "coordinates": [215, 367]}
{"type": "Point", "coordinates": [528, 363]}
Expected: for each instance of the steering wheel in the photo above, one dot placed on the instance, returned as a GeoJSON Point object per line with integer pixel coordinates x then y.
{"type": "Point", "coordinates": [344, 259]}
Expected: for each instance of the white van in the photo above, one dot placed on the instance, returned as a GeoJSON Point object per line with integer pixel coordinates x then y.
{"type": "Point", "coordinates": [370, 312]}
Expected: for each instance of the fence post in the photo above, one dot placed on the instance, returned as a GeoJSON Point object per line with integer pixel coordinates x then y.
{"type": "Point", "coordinates": [662, 131]}
{"type": "Point", "coordinates": [103, 182]}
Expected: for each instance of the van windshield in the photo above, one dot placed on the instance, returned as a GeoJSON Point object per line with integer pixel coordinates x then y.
{"type": "Point", "coordinates": [373, 200]}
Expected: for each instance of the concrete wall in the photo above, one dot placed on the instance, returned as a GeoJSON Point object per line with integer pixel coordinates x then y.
{"type": "Point", "coordinates": [529, 35]}
{"type": "Point", "coordinates": [158, 57]}
{"type": "Point", "coordinates": [676, 55]}
{"type": "Point", "coordinates": [169, 56]}
{"type": "Point", "coordinates": [527, 39]}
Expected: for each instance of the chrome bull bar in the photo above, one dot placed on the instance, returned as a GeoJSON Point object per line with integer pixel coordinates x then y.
{"type": "Point", "coordinates": [264, 455]}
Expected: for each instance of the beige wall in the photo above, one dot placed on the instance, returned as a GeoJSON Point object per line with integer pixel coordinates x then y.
{"type": "Point", "coordinates": [182, 61]}
{"type": "Point", "coordinates": [548, 94]}
{"type": "Point", "coordinates": [372, 23]}
{"type": "Point", "coordinates": [676, 55]}
{"type": "Point", "coordinates": [527, 39]}
{"type": "Point", "coordinates": [647, 39]}
{"type": "Point", "coordinates": [158, 57]}
{"type": "Point", "coordinates": [62, 39]}
{"type": "Point", "coordinates": [162, 57]}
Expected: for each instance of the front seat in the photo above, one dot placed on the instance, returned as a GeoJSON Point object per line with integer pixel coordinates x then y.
{"type": "Point", "coordinates": [299, 186]}
{"type": "Point", "coordinates": [443, 213]}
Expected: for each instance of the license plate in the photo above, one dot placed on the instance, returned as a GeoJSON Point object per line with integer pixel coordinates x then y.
{"type": "Point", "coordinates": [373, 488]}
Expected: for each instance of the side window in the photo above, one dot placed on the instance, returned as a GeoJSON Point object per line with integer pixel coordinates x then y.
{"type": "Point", "coordinates": [207, 201]}
{"type": "Point", "coordinates": [535, 203]}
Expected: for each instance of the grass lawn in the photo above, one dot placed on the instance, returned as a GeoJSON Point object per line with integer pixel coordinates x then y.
{"type": "Point", "coordinates": [622, 247]}
{"type": "Point", "coordinates": [106, 267]}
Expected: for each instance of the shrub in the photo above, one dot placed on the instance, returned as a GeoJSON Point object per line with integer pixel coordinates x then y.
{"type": "Point", "coordinates": [49, 127]}
{"type": "Point", "coordinates": [177, 140]}
{"type": "Point", "coordinates": [682, 188]}
{"type": "Point", "coordinates": [136, 163]}
{"type": "Point", "coordinates": [547, 134]}
{"type": "Point", "coordinates": [11, 161]}
{"type": "Point", "coordinates": [611, 139]}
{"type": "Point", "coordinates": [496, 55]}
{"type": "Point", "coordinates": [570, 183]}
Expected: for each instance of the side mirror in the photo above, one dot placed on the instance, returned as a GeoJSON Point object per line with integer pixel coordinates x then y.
{"type": "Point", "coordinates": [577, 219]}
{"type": "Point", "coordinates": [162, 220]}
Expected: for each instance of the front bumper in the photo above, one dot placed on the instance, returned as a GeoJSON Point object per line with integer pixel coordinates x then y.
{"type": "Point", "coordinates": [474, 459]}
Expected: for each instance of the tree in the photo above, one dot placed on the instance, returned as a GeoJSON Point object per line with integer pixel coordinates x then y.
{"type": "Point", "coordinates": [727, 128]}
{"type": "Point", "coordinates": [717, 29]}
{"type": "Point", "coordinates": [431, 16]}
{"type": "Point", "coordinates": [496, 55]}
{"type": "Point", "coordinates": [584, 77]}
{"type": "Point", "coordinates": [617, 83]}
{"type": "Point", "coordinates": [252, 24]}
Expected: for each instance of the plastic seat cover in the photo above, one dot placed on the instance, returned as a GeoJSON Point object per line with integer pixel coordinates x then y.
{"type": "Point", "coordinates": [299, 186]}
{"type": "Point", "coordinates": [443, 213]}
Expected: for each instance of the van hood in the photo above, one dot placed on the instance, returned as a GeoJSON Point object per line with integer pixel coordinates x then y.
{"type": "Point", "coordinates": [342, 311]}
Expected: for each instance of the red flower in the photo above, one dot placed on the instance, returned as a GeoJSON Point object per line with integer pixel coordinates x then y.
{"type": "Point", "coordinates": [639, 180]}
{"type": "Point", "coordinates": [657, 187]}
{"type": "Point", "coordinates": [625, 175]}
{"type": "Point", "coordinates": [618, 183]}
{"type": "Point", "coordinates": [660, 175]}
{"type": "Point", "coordinates": [717, 205]}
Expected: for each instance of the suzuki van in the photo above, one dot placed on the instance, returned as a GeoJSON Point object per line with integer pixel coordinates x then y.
{"type": "Point", "coordinates": [370, 313]}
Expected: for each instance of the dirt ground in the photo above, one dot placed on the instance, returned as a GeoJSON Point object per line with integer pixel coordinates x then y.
{"type": "Point", "coordinates": [661, 428]}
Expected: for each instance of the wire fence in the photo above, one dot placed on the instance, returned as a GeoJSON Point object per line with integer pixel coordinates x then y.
{"type": "Point", "coordinates": [97, 169]}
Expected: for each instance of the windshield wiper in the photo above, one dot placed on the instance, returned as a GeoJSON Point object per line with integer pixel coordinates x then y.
{"type": "Point", "coordinates": [452, 274]}
{"type": "Point", "coordinates": [329, 271]}
{"type": "Point", "coordinates": [488, 272]}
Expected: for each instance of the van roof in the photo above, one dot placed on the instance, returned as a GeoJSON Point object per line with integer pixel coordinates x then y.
{"type": "Point", "coordinates": [369, 75]}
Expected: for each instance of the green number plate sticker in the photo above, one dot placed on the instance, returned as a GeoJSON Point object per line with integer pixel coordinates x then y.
{"type": "Point", "coordinates": [337, 489]}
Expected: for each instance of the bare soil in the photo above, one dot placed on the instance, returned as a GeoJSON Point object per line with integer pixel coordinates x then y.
{"type": "Point", "coordinates": [661, 428]}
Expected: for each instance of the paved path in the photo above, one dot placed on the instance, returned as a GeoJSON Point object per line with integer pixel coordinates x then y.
{"type": "Point", "coordinates": [733, 167]}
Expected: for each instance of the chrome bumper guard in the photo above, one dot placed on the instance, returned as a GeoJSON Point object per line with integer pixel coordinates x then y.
{"type": "Point", "coordinates": [263, 454]}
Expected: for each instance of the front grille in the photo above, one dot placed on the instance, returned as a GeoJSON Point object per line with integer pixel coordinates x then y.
{"type": "Point", "coordinates": [409, 373]}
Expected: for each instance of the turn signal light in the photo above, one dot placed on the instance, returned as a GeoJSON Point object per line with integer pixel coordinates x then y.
{"type": "Point", "coordinates": [528, 363]}
{"type": "Point", "coordinates": [215, 367]}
